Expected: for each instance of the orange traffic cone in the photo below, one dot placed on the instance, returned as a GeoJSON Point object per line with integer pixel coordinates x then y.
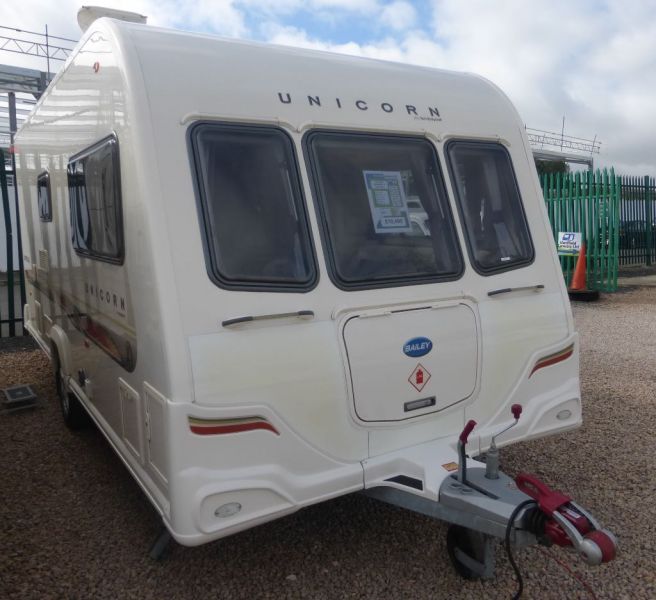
{"type": "Point", "coordinates": [580, 277]}
{"type": "Point", "coordinates": [578, 289]}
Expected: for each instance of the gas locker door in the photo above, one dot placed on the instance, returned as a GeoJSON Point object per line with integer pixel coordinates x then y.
{"type": "Point", "coordinates": [405, 364]}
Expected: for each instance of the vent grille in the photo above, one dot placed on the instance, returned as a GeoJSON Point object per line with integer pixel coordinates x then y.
{"type": "Point", "coordinates": [38, 316]}
{"type": "Point", "coordinates": [44, 260]}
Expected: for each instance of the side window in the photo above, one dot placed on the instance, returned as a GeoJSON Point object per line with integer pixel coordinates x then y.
{"type": "Point", "coordinates": [44, 197]}
{"type": "Point", "coordinates": [94, 187]}
{"type": "Point", "coordinates": [256, 231]}
{"type": "Point", "coordinates": [490, 206]}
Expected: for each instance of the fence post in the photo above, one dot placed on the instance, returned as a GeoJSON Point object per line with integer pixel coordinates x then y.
{"type": "Point", "coordinates": [13, 128]}
{"type": "Point", "coordinates": [10, 248]}
{"type": "Point", "coordinates": [617, 198]}
{"type": "Point", "coordinates": [648, 225]}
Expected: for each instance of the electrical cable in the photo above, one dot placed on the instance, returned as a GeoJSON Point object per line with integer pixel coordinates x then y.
{"type": "Point", "coordinates": [511, 559]}
{"type": "Point", "coordinates": [572, 574]}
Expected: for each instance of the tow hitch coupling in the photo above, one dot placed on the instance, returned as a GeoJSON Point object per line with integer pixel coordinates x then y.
{"type": "Point", "coordinates": [557, 519]}
{"type": "Point", "coordinates": [485, 506]}
{"type": "Point", "coordinates": [527, 510]}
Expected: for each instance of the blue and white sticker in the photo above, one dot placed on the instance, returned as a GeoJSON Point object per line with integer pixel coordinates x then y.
{"type": "Point", "coordinates": [418, 346]}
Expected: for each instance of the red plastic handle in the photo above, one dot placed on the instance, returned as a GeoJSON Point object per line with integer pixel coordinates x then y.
{"type": "Point", "coordinates": [531, 485]}
{"type": "Point", "coordinates": [516, 410]}
{"type": "Point", "coordinates": [549, 500]}
{"type": "Point", "coordinates": [467, 430]}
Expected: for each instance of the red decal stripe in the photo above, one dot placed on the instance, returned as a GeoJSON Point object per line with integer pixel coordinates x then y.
{"type": "Point", "coordinates": [553, 359]}
{"type": "Point", "coordinates": [217, 429]}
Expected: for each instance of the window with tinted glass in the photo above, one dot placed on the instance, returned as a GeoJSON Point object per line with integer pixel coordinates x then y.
{"type": "Point", "coordinates": [255, 225]}
{"type": "Point", "coordinates": [94, 187]}
{"type": "Point", "coordinates": [386, 219]}
{"type": "Point", "coordinates": [43, 196]}
{"type": "Point", "coordinates": [490, 205]}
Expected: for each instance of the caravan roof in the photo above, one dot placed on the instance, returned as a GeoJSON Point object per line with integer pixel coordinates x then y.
{"type": "Point", "coordinates": [190, 74]}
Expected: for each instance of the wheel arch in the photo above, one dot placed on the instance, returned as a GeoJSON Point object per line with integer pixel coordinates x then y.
{"type": "Point", "coordinates": [60, 349]}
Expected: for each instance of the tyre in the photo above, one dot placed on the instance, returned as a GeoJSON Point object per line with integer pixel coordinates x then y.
{"type": "Point", "coordinates": [73, 412]}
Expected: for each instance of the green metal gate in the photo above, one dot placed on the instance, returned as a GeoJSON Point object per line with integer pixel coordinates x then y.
{"type": "Point", "coordinates": [587, 202]}
{"type": "Point", "coordinates": [12, 282]}
{"type": "Point", "coordinates": [637, 224]}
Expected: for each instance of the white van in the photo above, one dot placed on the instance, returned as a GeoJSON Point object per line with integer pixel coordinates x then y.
{"type": "Point", "coordinates": [224, 271]}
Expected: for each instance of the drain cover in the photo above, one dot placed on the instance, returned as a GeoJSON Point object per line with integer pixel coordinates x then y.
{"type": "Point", "coordinates": [18, 397]}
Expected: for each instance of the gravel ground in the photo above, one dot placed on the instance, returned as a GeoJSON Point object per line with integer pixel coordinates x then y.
{"type": "Point", "coordinates": [73, 524]}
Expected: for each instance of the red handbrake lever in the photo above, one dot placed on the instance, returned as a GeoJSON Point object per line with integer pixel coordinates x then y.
{"type": "Point", "coordinates": [462, 457]}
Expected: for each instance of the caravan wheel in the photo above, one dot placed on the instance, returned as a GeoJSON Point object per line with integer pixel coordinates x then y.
{"type": "Point", "coordinates": [74, 415]}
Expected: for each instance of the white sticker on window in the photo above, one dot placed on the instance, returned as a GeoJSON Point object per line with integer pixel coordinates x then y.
{"type": "Point", "coordinates": [387, 201]}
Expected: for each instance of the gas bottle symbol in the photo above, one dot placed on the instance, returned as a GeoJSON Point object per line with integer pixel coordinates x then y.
{"type": "Point", "coordinates": [419, 377]}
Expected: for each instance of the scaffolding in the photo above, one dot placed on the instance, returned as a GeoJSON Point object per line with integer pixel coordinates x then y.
{"type": "Point", "coordinates": [551, 146]}
{"type": "Point", "coordinates": [19, 90]}
{"type": "Point", "coordinates": [33, 43]}
{"type": "Point", "coordinates": [21, 87]}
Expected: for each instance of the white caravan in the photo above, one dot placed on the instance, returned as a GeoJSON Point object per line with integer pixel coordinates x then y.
{"type": "Point", "coordinates": [274, 276]}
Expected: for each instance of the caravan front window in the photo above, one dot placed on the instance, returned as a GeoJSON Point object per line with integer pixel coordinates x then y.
{"type": "Point", "coordinates": [490, 205]}
{"type": "Point", "coordinates": [94, 188]}
{"type": "Point", "coordinates": [386, 219]}
{"type": "Point", "coordinates": [255, 227]}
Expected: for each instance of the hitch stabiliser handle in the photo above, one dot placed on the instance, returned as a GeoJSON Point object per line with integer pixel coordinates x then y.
{"type": "Point", "coordinates": [492, 461]}
{"type": "Point", "coordinates": [516, 410]}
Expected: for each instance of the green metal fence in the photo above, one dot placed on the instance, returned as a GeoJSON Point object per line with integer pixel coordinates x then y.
{"type": "Point", "coordinates": [589, 203]}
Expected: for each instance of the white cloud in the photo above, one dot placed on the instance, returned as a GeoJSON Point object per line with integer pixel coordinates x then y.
{"type": "Point", "coordinates": [399, 15]}
{"type": "Point", "coordinates": [595, 63]}
{"type": "Point", "coordinates": [350, 5]}
{"type": "Point", "coordinates": [222, 16]}
{"type": "Point", "coordinates": [283, 7]}
{"type": "Point", "coordinates": [292, 36]}
{"type": "Point", "coordinates": [592, 60]}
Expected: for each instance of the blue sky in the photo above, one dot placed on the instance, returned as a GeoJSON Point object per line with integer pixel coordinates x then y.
{"type": "Point", "coordinates": [592, 61]}
{"type": "Point", "coordinates": [344, 26]}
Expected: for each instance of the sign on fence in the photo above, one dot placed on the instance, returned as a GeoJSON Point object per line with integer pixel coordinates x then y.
{"type": "Point", "coordinates": [569, 243]}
